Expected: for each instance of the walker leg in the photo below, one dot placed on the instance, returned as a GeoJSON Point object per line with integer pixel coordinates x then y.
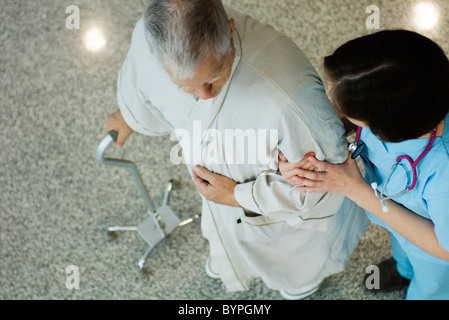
{"type": "Point", "coordinates": [110, 231]}
{"type": "Point", "coordinates": [190, 220]}
{"type": "Point", "coordinates": [115, 229]}
{"type": "Point", "coordinates": [168, 189]}
{"type": "Point", "coordinates": [142, 260]}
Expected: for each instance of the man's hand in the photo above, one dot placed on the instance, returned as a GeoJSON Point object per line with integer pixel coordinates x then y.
{"type": "Point", "coordinates": [117, 123]}
{"type": "Point", "coordinates": [215, 187]}
{"type": "Point", "coordinates": [290, 171]}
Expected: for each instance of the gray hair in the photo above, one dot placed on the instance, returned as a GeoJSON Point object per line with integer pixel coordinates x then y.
{"type": "Point", "coordinates": [183, 33]}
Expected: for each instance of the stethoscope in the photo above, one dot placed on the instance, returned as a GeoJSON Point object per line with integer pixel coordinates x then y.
{"type": "Point", "coordinates": [357, 148]}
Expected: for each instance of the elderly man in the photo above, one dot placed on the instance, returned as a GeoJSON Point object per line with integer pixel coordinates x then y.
{"type": "Point", "coordinates": [197, 70]}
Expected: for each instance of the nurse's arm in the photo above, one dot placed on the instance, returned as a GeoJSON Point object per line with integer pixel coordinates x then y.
{"type": "Point", "coordinates": [413, 227]}
{"type": "Point", "coordinates": [346, 179]}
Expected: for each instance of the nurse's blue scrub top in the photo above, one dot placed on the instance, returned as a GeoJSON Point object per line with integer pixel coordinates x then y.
{"type": "Point", "coordinates": [430, 197]}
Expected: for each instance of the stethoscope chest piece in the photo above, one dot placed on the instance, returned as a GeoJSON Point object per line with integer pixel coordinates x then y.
{"type": "Point", "coordinates": [356, 148]}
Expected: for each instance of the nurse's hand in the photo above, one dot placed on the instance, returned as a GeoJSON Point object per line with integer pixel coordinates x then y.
{"type": "Point", "coordinates": [344, 179]}
{"type": "Point", "coordinates": [214, 187]}
{"type": "Point", "coordinates": [117, 122]}
{"type": "Point", "coordinates": [289, 170]}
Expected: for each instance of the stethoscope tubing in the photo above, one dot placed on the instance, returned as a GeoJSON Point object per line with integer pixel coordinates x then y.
{"type": "Point", "coordinates": [357, 148]}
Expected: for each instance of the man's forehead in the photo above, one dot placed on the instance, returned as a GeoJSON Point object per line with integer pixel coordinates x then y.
{"type": "Point", "coordinates": [207, 71]}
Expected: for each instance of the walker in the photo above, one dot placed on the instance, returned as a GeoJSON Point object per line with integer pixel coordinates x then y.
{"type": "Point", "coordinates": [161, 221]}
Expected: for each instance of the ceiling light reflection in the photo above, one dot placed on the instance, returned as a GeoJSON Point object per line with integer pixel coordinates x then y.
{"type": "Point", "coordinates": [426, 15]}
{"type": "Point", "coordinates": [94, 40]}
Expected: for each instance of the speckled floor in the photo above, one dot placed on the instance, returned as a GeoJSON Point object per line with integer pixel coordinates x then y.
{"type": "Point", "coordinates": [56, 201]}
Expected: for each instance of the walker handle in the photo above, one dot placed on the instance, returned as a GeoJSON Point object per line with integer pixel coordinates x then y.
{"type": "Point", "coordinates": [113, 134]}
{"type": "Point", "coordinates": [104, 144]}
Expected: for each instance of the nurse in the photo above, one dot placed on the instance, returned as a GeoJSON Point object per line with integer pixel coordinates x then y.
{"type": "Point", "coordinates": [393, 87]}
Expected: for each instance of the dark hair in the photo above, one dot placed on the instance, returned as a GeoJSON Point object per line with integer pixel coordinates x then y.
{"type": "Point", "coordinates": [396, 81]}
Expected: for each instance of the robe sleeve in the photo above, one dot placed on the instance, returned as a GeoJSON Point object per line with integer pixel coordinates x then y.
{"type": "Point", "coordinates": [272, 196]}
{"type": "Point", "coordinates": [135, 106]}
